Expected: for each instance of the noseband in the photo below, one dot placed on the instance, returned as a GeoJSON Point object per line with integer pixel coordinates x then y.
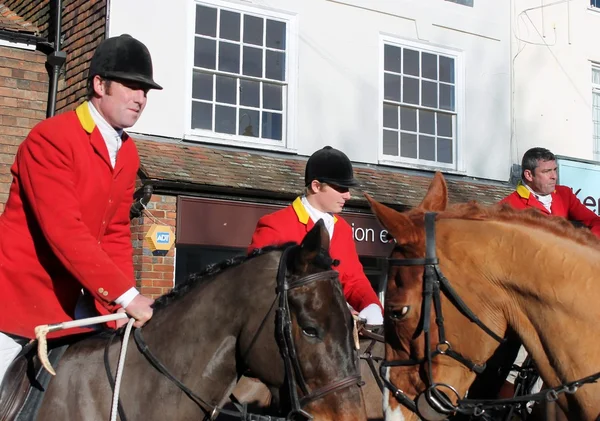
{"type": "Point", "coordinates": [434, 282]}
{"type": "Point", "coordinates": [293, 371]}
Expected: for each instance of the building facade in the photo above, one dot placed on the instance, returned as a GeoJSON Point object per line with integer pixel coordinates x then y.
{"type": "Point", "coordinates": [252, 88]}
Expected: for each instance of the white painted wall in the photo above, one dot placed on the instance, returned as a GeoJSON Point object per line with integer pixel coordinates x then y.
{"type": "Point", "coordinates": [339, 69]}
{"type": "Point", "coordinates": [554, 44]}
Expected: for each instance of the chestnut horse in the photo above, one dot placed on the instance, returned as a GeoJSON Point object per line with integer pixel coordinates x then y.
{"type": "Point", "coordinates": [279, 315]}
{"type": "Point", "coordinates": [459, 280]}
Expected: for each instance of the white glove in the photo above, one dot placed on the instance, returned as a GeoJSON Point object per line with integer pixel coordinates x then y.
{"type": "Point", "coordinates": [372, 314]}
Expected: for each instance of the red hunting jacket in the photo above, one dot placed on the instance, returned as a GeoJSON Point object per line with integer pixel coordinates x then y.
{"type": "Point", "coordinates": [66, 224]}
{"type": "Point", "coordinates": [564, 203]}
{"type": "Point", "coordinates": [293, 222]}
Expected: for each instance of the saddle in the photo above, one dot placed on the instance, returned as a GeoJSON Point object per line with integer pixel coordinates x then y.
{"type": "Point", "coordinates": [25, 381]}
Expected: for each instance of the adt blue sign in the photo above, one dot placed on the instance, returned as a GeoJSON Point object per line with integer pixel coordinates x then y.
{"type": "Point", "coordinates": [163, 237]}
{"type": "Point", "coordinates": [583, 177]}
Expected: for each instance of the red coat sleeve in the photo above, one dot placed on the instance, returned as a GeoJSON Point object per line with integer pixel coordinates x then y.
{"type": "Point", "coordinates": [578, 212]}
{"type": "Point", "coordinates": [265, 234]}
{"type": "Point", "coordinates": [357, 289]}
{"type": "Point", "coordinates": [48, 183]}
{"type": "Point", "coordinates": [117, 238]}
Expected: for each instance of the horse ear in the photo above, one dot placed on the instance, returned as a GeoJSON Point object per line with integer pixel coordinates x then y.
{"type": "Point", "coordinates": [393, 221]}
{"type": "Point", "coordinates": [436, 198]}
{"type": "Point", "coordinates": [316, 239]}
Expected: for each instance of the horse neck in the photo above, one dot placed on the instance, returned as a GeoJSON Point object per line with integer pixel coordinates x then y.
{"type": "Point", "coordinates": [199, 331]}
{"type": "Point", "coordinates": [541, 285]}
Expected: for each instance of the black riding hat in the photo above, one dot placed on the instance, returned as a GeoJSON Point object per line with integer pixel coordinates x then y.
{"type": "Point", "coordinates": [329, 165]}
{"type": "Point", "coordinates": [123, 58]}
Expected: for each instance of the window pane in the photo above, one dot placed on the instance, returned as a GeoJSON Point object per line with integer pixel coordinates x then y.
{"type": "Point", "coordinates": [408, 145]}
{"type": "Point", "coordinates": [205, 53]}
{"type": "Point", "coordinates": [595, 76]}
{"type": "Point", "coordinates": [411, 62]}
{"type": "Point", "coordinates": [272, 96]}
{"type": "Point", "coordinates": [275, 34]}
{"type": "Point", "coordinates": [427, 148]}
{"type": "Point", "coordinates": [230, 25]}
{"type": "Point", "coordinates": [250, 93]}
{"type": "Point", "coordinates": [224, 119]}
{"type": "Point", "coordinates": [446, 69]}
{"type": "Point", "coordinates": [201, 115]}
{"type": "Point", "coordinates": [248, 122]}
{"type": "Point", "coordinates": [202, 86]}
{"type": "Point", "coordinates": [390, 116]}
{"type": "Point", "coordinates": [391, 87]}
{"type": "Point", "coordinates": [253, 30]}
{"type": "Point", "coordinates": [392, 58]}
{"type": "Point", "coordinates": [390, 143]}
{"type": "Point", "coordinates": [272, 126]}
{"type": "Point", "coordinates": [226, 89]}
{"type": "Point", "coordinates": [229, 57]}
{"type": "Point", "coordinates": [429, 94]}
{"type": "Point", "coordinates": [410, 87]}
{"type": "Point", "coordinates": [206, 21]}
{"type": "Point", "coordinates": [444, 151]}
{"type": "Point", "coordinates": [444, 124]}
{"type": "Point", "coordinates": [426, 122]}
{"type": "Point", "coordinates": [275, 65]}
{"type": "Point", "coordinates": [252, 61]}
{"type": "Point", "coordinates": [408, 120]}
{"type": "Point", "coordinates": [429, 66]}
{"type": "Point", "coordinates": [446, 97]}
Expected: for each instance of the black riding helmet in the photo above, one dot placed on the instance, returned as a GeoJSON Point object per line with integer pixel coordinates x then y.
{"type": "Point", "coordinates": [329, 165]}
{"type": "Point", "coordinates": [123, 58]}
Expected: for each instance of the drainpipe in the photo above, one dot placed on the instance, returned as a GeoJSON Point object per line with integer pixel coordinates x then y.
{"type": "Point", "coordinates": [55, 60]}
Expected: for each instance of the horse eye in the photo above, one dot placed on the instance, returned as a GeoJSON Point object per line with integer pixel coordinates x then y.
{"type": "Point", "coordinates": [399, 314]}
{"type": "Point", "coordinates": [311, 332]}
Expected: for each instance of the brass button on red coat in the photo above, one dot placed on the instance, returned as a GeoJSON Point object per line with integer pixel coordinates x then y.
{"type": "Point", "coordinates": [105, 293]}
{"type": "Point", "coordinates": [100, 290]}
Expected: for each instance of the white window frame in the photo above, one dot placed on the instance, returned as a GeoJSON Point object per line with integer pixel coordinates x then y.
{"type": "Point", "coordinates": [595, 91]}
{"type": "Point", "coordinates": [288, 142]}
{"type": "Point", "coordinates": [457, 165]}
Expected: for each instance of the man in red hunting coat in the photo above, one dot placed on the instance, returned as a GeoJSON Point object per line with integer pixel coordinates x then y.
{"type": "Point", "coordinates": [66, 223]}
{"type": "Point", "coordinates": [538, 189]}
{"type": "Point", "coordinates": [328, 178]}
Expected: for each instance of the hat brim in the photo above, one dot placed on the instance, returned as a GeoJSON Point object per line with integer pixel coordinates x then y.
{"type": "Point", "coordinates": [133, 78]}
{"type": "Point", "coordinates": [341, 183]}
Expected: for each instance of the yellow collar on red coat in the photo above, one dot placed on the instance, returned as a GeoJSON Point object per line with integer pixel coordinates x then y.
{"type": "Point", "coordinates": [301, 212]}
{"type": "Point", "coordinates": [524, 192]}
{"type": "Point", "coordinates": [85, 117]}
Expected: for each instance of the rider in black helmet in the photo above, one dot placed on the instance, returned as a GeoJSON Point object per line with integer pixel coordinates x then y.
{"type": "Point", "coordinates": [74, 178]}
{"type": "Point", "coordinates": [327, 178]}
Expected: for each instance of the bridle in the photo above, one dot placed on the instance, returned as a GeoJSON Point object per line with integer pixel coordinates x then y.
{"type": "Point", "coordinates": [293, 371]}
{"type": "Point", "coordinates": [434, 282]}
{"type": "Point", "coordinates": [288, 350]}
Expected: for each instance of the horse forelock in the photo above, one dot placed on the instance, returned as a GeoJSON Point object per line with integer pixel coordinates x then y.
{"type": "Point", "coordinates": [209, 273]}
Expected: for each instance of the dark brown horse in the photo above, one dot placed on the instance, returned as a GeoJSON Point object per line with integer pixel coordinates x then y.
{"type": "Point", "coordinates": [461, 278]}
{"type": "Point", "coordinates": [217, 326]}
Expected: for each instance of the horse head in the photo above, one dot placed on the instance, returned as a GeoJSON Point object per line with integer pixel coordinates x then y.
{"type": "Point", "coordinates": [314, 332]}
{"type": "Point", "coordinates": [432, 356]}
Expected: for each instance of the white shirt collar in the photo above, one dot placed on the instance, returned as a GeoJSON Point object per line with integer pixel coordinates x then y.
{"type": "Point", "coordinates": [545, 199]}
{"type": "Point", "coordinates": [112, 137]}
{"type": "Point", "coordinates": [316, 214]}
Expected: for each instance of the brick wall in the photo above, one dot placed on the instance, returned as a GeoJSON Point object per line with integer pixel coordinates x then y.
{"type": "Point", "coordinates": [23, 98]}
{"type": "Point", "coordinates": [154, 274]}
{"type": "Point", "coordinates": [83, 27]}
